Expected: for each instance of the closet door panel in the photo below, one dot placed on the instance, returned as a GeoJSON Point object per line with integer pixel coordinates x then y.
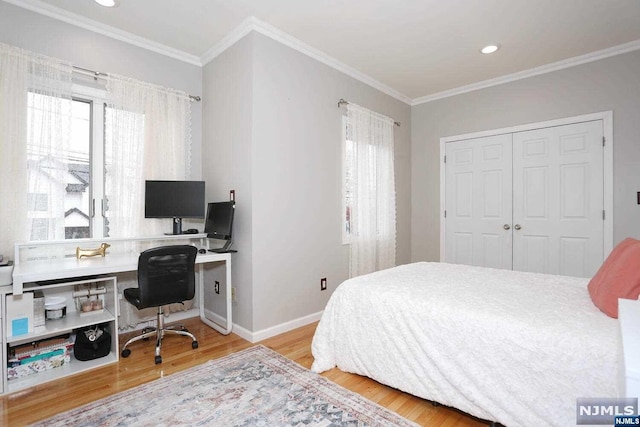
{"type": "Point", "coordinates": [558, 199]}
{"type": "Point", "coordinates": [478, 202]}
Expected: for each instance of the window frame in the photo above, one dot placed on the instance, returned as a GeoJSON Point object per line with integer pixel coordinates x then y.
{"type": "Point", "coordinates": [345, 219]}
{"type": "Point", "coordinates": [96, 99]}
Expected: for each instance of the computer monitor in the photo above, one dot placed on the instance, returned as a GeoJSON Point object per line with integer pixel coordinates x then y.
{"type": "Point", "coordinates": [219, 223]}
{"type": "Point", "coordinates": [174, 199]}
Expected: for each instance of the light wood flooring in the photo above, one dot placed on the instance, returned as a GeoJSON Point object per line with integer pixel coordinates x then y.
{"type": "Point", "coordinates": [37, 403]}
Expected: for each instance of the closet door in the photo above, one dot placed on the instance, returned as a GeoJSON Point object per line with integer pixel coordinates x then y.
{"type": "Point", "coordinates": [478, 202]}
{"type": "Point", "coordinates": [558, 198]}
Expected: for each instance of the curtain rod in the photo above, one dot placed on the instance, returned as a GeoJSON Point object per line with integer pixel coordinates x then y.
{"type": "Point", "coordinates": [343, 101]}
{"type": "Point", "coordinates": [98, 74]}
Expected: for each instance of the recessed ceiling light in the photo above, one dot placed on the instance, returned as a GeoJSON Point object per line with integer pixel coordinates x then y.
{"type": "Point", "coordinates": [487, 49]}
{"type": "Point", "coordinates": [106, 3]}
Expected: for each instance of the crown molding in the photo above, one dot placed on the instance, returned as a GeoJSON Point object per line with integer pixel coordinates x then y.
{"type": "Point", "coordinates": [290, 41]}
{"type": "Point", "coordinates": [106, 30]}
{"type": "Point", "coordinates": [555, 66]}
{"type": "Point", "coordinates": [254, 24]}
{"type": "Point", "coordinates": [229, 40]}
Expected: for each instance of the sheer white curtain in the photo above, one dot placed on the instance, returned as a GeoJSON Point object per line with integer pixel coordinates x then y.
{"type": "Point", "coordinates": [35, 110]}
{"type": "Point", "coordinates": [147, 137]}
{"type": "Point", "coordinates": [373, 197]}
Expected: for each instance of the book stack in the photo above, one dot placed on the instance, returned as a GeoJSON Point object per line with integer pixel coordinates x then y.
{"type": "Point", "coordinates": [39, 356]}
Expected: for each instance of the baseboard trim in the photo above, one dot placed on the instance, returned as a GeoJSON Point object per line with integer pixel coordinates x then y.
{"type": "Point", "coordinates": [248, 335]}
{"type": "Point", "coordinates": [272, 331]}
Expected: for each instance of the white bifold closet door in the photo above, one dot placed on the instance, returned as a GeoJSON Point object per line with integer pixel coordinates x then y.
{"type": "Point", "coordinates": [527, 201]}
{"type": "Point", "coordinates": [478, 202]}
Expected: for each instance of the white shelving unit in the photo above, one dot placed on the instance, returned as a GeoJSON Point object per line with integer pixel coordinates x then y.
{"type": "Point", "coordinates": [629, 317]}
{"type": "Point", "coordinates": [55, 263]}
{"type": "Point", "coordinates": [72, 321]}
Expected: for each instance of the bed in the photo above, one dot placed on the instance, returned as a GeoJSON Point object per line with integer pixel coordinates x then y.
{"type": "Point", "coordinates": [512, 347]}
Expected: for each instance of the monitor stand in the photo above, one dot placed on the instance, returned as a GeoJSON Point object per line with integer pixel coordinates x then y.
{"type": "Point", "coordinates": [177, 227]}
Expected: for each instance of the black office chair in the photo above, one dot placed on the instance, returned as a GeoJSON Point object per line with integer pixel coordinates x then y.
{"type": "Point", "coordinates": [166, 275]}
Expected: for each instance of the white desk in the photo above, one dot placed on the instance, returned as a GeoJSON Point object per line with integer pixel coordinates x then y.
{"type": "Point", "coordinates": [118, 262]}
{"type": "Point", "coordinates": [47, 261]}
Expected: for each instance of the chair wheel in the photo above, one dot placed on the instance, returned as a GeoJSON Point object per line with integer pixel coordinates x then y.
{"type": "Point", "coordinates": [125, 353]}
{"type": "Point", "coordinates": [194, 344]}
{"type": "Point", "coordinates": [158, 360]}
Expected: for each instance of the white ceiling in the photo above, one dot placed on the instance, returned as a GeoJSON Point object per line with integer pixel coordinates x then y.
{"type": "Point", "coordinates": [415, 50]}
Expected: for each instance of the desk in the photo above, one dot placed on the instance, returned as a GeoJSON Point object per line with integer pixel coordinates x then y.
{"type": "Point", "coordinates": [47, 261]}
{"type": "Point", "coordinates": [117, 262]}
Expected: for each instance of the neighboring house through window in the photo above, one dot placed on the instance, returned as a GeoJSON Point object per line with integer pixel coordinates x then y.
{"type": "Point", "coordinates": [63, 189]}
{"type": "Point", "coordinates": [79, 165]}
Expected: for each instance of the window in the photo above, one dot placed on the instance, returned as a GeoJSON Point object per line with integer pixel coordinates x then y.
{"type": "Point", "coordinates": [64, 186]}
{"type": "Point", "coordinates": [368, 190]}
{"type": "Point", "coordinates": [52, 144]}
{"type": "Point", "coordinates": [349, 152]}
{"type": "Point", "coordinates": [38, 201]}
{"type": "Point", "coordinates": [347, 181]}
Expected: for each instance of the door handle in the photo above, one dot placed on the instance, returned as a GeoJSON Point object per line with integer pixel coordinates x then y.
{"type": "Point", "coordinates": [506, 226]}
{"type": "Point", "coordinates": [517, 227]}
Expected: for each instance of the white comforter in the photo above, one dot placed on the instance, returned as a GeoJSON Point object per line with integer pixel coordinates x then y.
{"type": "Point", "coordinates": [512, 347]}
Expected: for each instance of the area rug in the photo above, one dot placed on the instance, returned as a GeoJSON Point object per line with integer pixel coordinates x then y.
{"type": "Point", "coordinates": [254, 387]}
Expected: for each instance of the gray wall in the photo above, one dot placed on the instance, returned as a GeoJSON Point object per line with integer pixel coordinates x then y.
{"type": "Point", "coordinates": [227, 161]}
{"type": "Point", "coordinates": [609, 84]}
{"type": "Point", "coordinates": [271, 131]}
{"type": "Point", "coordinates": [297, 180]}
{"type": "Point", "coordinates": [87, 49]}
{"type": "Point", "coordinates": [295, 190]}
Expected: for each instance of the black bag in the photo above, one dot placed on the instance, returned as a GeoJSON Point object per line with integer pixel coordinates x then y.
{"type": "Point", "coordinates": [91, 343]}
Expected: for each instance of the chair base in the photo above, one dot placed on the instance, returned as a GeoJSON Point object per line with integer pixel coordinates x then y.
{"type": "Point", "coordinates": [159, 332]}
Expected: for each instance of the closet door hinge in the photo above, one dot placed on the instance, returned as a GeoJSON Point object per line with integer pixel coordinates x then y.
{"type": "Point", "coordinates": [603, 214]}
{"type": "Point", "coordinates": [445, 159]}
{"type": "Point", "coordinates": [604, 141]}
{"type": "Point", "coordinates": [445, 213]}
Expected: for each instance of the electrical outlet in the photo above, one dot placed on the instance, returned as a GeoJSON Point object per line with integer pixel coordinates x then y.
{"type": "Point", "coordinates": [216, 287]}
{"type": "Point", "coordinates": [233, 294]}
{"type": "Point", "coordinates": [323, 284]}
{"type": "Point", "coordinates": [232, 195]}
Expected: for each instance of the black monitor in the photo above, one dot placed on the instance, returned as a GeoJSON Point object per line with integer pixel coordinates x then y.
{"type": "Point", "coordinates": [219, 223]}
{"type": "Point", "coordinates": [174, 199]}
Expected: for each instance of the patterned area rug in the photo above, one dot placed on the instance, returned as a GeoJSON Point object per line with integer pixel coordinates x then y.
{"type": "Point", "coordinates": [254, 387]}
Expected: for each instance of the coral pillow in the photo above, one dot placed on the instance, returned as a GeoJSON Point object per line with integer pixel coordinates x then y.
{"type": "Point", "coordinates": [618, 277]}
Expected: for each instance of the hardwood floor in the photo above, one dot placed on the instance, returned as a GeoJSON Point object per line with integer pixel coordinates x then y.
{"type": "Point", "coordinates": [37, 403]}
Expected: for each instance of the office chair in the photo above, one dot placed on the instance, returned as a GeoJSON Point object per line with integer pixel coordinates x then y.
{"type": "Point", "coordinates": [166, 275]}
